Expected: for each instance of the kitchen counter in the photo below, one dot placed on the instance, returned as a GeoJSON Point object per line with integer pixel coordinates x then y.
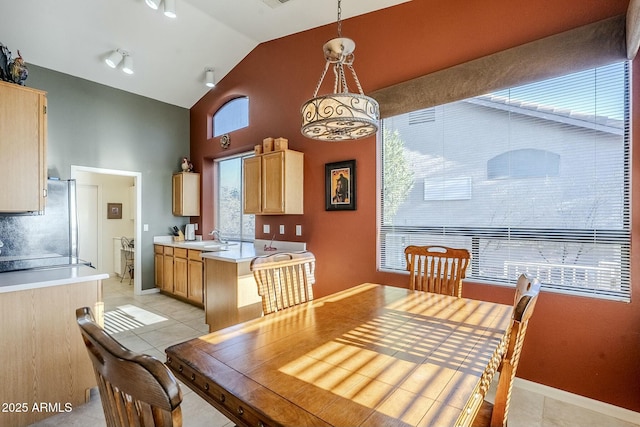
{"type": "Point", "coordinates": [40, 278]}
{"type": "Point", "coordinates": [234, 251]}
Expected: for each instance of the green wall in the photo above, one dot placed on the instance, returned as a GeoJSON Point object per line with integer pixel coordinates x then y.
{"type": "Point", "coordinates": [93, 125]}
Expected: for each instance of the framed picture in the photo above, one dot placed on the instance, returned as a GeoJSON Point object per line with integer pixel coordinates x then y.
{"type": "Point", "coordinates": [114, 210]}
{"type": "Point", "coordinates": [340, 186]}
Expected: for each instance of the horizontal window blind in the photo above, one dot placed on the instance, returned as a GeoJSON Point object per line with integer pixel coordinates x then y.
{"type": "Point", "coordinates": [534, 178]}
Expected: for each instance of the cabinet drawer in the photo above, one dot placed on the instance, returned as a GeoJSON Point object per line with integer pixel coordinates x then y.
{"type": "Point", "coordinates": [195, 255]}
{"type": "Point", "coordinates": [168, 250]}
{"type": "Point", "coordinates": [158, 249]}
{"type": "Point", "coordinates": [180, 252]}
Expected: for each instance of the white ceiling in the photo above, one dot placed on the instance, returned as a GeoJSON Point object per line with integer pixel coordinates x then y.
{"type": "Point", "coordinates": [170, 55]}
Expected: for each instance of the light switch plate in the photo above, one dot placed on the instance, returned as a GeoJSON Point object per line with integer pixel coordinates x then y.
{"type": "Point", "coordinates": [266, 228]}
{"type": "Point", "coordinates": [281, 229]}
{"type": "Point", "coordinates": [145, 227]}
{"type": "Point", "coordinates": [298, 230]}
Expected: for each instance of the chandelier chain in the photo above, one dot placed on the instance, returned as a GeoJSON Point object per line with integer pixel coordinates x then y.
{"type": "Point", "coordinates": [339, 19]}
{"type": "Point", "coordinates": [324, 73]}
{"type": "Point", "coordinates": [355, 77]}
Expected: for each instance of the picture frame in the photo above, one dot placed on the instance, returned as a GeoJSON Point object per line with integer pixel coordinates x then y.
{"type": "Point", "coordinates": [114, 210]}
{"type": "Point", "coordinates": [340, 186]}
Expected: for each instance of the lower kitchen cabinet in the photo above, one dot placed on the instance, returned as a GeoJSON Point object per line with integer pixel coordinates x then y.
{"type": "Point", "coordinates": [180, 273]}
{"type": "Point", "coordinates": [180, 278]}
{"type": "Point", "coordinates": [195, 290]}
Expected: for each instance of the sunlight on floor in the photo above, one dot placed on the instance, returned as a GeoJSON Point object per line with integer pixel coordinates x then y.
{"type": "Point", "coordinates": [129, 317]}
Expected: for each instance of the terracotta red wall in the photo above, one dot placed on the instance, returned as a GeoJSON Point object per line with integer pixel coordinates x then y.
{"type": "Point", "coordinates": [585, 346]}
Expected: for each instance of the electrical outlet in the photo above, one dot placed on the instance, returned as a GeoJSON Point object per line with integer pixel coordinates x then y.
{"type": "Point", "coordinates": [298, 230]}
{"type": "Point", "coordinates": [281, 229]}
{"type": "Point", "coordinates": [265, 228]}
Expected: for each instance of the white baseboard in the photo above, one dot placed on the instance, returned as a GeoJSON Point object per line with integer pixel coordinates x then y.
{"type": "Point", "coordinates": [149, 291]}
{"type": "Point", "coordinates": [581, 401]}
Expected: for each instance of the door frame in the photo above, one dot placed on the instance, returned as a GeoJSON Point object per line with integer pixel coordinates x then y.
{"type": "Point", "coordinates": [137, 176]}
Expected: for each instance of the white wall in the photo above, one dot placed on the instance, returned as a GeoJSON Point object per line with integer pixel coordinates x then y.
{"type": "Point", "coordinates": [110, 189]}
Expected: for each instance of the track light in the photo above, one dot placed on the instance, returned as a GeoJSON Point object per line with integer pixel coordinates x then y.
{"type": "Point", "coordinates": [209, 77]}
{"type": "Point", "coordinates": [170, 8]}
{"type": "Point", "coordinates": [116, 57]}
{"type": "Point", "coordinates": [127, 67]}
{"type": "Point", "coordinates": [153, 4]}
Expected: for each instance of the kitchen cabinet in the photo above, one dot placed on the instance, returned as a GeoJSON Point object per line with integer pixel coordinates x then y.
{"type": "Point", "coordinates": [44, 358]}
{"type": "Point", "coordinates": [273, 183]}
{"type": "Point", "coordinates": [158, 257]}
{"type": "Point", "coordinates": [186, 194]}
{"type": "Point", "coordinates": [232, 294]}
{"type": "Point", "coordinates": [195, 290]}
{"type": "Point", "coordinates": [167, 269]}
{"type": "Point", "coordinates": [179, 272]}
{"type": "Point", "coordinates": [23, 137]}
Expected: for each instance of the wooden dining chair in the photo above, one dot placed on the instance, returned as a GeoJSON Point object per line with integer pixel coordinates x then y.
{"type": "Point", "coordinates": [284, 279]}
{"type": "Point", "coordinates": [135, 389]}
{"type": "Point", "coordinates": [495, 414]}
{"type": "Point", "coordinates": [437, 269]}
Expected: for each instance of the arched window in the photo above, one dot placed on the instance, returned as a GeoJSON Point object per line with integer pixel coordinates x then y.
{"type": "Point", "coordinates": [231, 116]}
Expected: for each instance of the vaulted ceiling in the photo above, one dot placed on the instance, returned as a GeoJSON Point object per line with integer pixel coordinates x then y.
{"type": "Point", "coordinates": [169, 55]}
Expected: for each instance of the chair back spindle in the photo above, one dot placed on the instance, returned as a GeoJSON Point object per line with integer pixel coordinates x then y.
{"type": "Point", "coordinates": [284, 279]}
{"type": "Point", "coordinates": [437, 269]}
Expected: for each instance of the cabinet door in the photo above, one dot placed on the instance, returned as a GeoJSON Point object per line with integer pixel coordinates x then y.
{"type": "Point", "coordinates": [23, 167]}
{"type": "Point", "coordinates": [159, 264]}
{"type": "Point", "coordinates": [251, 185]}
{"type": "Point", "coordinates": [196, 289]}
{"type": "Point", "coordinates": [273, 182]}
{"type": "Point", "coordinates": [180, 276]}
{"type": "Point", "coordinates": [167, 273]}
{"type": "Point", "coordinates": [186, 194]}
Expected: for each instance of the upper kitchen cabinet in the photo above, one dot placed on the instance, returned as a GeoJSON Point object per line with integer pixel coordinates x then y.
{"type": "Point", "coordinates": [186, 194]}
{"type": "Point", "coordinates": [274, 183]}
{"type": "Point", "coordinates": [23, 138]}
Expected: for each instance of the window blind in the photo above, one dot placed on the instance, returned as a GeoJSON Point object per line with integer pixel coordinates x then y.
{"type": "Point", "coordinates": [533, 178]}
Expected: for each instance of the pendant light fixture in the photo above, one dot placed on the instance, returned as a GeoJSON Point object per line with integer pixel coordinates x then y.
{"type": "Point", "coordinates": [341, 115]}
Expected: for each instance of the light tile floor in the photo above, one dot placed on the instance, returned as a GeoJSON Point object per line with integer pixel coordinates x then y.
{"type": "Point", "coordinates": [185, 321]}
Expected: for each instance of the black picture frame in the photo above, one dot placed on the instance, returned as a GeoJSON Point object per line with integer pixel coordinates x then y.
{"type": "Point", "coordinates": [340, 186]}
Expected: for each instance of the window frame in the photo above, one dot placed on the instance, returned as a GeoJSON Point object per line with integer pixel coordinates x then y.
{"type": "Point", "coordinates": [512, 234]}
{"type": "Point", "coordinates": [216, 202]}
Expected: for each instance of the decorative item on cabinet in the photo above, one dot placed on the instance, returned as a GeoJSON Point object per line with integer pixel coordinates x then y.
{"type": "Point", "coordinates": [12, 70]}
{"type": "Point", "coordinates": [186, 165]}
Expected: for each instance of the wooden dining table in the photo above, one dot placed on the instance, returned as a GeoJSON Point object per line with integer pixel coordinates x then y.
{"type": "Point", "coordinates": [371, 355]}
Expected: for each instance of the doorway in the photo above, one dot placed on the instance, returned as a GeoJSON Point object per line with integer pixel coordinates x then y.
{"type": "Point", "coordinates": [99, 236]}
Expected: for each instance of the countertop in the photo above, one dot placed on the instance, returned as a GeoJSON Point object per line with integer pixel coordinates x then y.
{"type": "Point", "coordinates": [40, 278]}
{"type": "Point", "coordinates": [234, 252]}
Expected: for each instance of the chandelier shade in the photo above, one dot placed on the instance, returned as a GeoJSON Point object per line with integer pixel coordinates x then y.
{"type": "Point", "coordinates": [341, 115]}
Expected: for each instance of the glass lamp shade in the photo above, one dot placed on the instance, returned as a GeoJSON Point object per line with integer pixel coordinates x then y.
{"type": "Point", "coordinates": [340, 117]}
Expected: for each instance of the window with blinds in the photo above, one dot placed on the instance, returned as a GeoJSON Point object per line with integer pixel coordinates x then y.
{"type": "Point", "coordinates": [532, 179]}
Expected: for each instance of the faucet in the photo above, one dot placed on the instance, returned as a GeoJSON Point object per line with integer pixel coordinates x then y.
{"type": "Point", "coordinates": [216, 236]}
